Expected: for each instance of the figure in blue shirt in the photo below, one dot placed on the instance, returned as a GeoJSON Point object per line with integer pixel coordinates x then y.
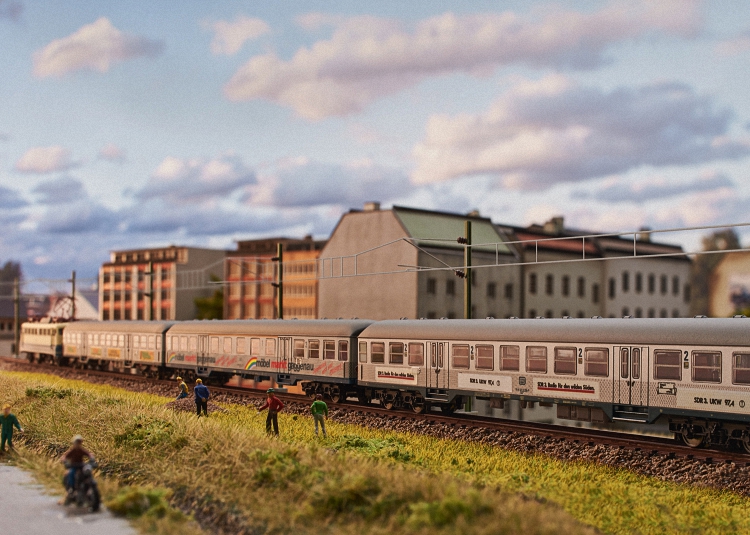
{"type": "Point", "coordinates": [201, 397]}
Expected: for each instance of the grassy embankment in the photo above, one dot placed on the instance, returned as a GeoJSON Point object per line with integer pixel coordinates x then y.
{"type": "Point", "coordinates": [358, 481]}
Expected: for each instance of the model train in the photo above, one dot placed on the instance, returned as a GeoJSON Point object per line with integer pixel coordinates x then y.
{"type": "Point", "coordinates": [693, 372]}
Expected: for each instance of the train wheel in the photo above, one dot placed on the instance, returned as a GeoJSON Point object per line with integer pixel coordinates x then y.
{"type": "Point", "coordinates": [691, 440]}
{"type": "Point", "coordinates": [388, 405]}
{"type": "Point", "coordinates": [30, 357]}
{"type": "Point", "coordinates": [418, 405]}
{"type": "Point", "coordinates": [745, 443]}
{"type": "Point", "coordinates": [335, 394]}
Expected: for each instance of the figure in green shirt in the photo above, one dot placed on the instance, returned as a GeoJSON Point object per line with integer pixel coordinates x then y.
{"type": "Point", "coordinates": [7, 422]}
{"type": "Point", "coordinates": [319, 411]}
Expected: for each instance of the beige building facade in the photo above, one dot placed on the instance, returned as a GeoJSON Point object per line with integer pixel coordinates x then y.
{"type": "Point", "coordinates": [729, 286]}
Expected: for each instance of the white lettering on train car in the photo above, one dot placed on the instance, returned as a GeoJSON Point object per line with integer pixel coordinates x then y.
{"type": "Point", "coordinates": [713, 400]}
{"type": "Point", "coordinates": [399, 375]}
{"type": "Point", "coordinates": [566, 389]}
{"type": "Point", "coordinates": [487, 383]}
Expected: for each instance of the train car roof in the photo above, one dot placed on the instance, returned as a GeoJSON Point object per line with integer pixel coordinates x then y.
{"type": "Point", "coordinates": [272, 327]}
{"type": "Point", "coordinates": [648, 331]}
{"type": "Point", "coordinates": [124, 326]}
{"type": "Point", "coordinates": [43, 325]}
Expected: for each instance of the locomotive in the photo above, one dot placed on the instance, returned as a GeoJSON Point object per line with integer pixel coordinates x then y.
{"type": "Point", "coordinates": [693, 373]}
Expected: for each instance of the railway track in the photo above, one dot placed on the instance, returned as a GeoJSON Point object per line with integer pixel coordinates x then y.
{"type": "Point", "coordinates": [645, 444]}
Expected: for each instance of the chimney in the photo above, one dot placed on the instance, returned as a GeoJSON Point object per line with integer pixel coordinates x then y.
{"type": "Point", "coordinates": [372, 206]}
{"type": "Point", "coordinates": [555, 225]}
{"type": "Point", "coordinates": [644, 234]}
{"type": "Point", "coordinates": [473, 213]}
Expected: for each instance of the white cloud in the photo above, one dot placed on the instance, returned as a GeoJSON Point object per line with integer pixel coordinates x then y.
{"type": "Point", "coordinates": [59, 191]}
{"type": "Point", "coordinates": [230, 36]}
{"type": "Point", "coordinates": [95, 47]}
{"type": "Point", "coordinates": [540, 133]}
{"type": "Point", "coordinates": [45, 160]}
{"type": "Point", "coordinates": [369, 57]}
{"type": "Point", "coordinates": [196, 180]}
{"type": "Point", "coordinates": [619, 191]}
{"type": "Point", "coordinates": [735, 45]}
{"type": "Point", "coordinates": [112, 153]}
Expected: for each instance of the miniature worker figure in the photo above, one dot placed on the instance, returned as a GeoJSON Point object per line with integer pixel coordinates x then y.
{"type": "Point", "coordinates": [274, 406]}
{"type": "Point", "coordinates": [319, 411]}
{"type": "Point", "coordinates": [73, 459]}
{"type": "Point", "coordinates": [8, 421]}
{"type": "Point", "coordinates": [201, 397]}
{"type": "Point", "coordinates": [183, 389]}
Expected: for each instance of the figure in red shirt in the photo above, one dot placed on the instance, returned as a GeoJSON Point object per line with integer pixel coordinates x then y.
{"type": "Point", "coordinates": [274, 406]}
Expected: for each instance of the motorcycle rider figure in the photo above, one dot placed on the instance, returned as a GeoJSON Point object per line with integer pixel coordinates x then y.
{"type": "Point", "coordinates": [73, 459]}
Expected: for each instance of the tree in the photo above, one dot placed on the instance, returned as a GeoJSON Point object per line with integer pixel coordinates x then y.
{"type": "Point", "coordinates": [211, 308]}
{"type": "Point", "coordinates": [8, 273]}
{"type": "Point", "coordinates": [703, 266]}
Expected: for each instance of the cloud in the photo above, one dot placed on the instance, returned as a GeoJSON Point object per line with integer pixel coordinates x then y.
{"type": "Point", "coordinates": [10, 9]}
{"type": "Point", "coordinates": [94, 47]}
{"type": "Point", "coordinates": [541, 133]}
{"type": "Point", "coordinates": [45, 160]}
{"type": "Point", "coordinates": [61, 190]}
{"type": "Point", "coordinates": [655, 189]}
{"type": "Point", "coordinates": [112, 153]}
{"type": "Point", "coordinates": [303, 182]}
{"type": "Point", "coordinates": [11, 199]}
{"type": "Point", "coordinates": [369, 57]}
{"type": "Point", "coordinates": [230, 36]}
{"type": "Point", "coordinates": [78, 218]}
{"type": "Point", "coordinates": [734, 46]}
{"type": "Point", "coordinates": [194, 180]}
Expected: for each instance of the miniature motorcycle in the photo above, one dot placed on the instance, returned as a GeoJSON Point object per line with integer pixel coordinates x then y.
{"type": "Point", "coordinates": [85, 491]}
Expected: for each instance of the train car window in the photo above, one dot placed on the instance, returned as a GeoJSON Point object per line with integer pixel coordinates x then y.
{"type": "Point", "coordinates": [485, 357]}
{"type": "Point", "coordinates": [416, 354]}
{"type": "Point", "coordinates": [151, 341]}
{"type": "Point", "coordinates": [183, 343]}
{"type": "Point", "coordinates": [343, 350]}
{"type": "Point", "coordinates": [377, 352]}
{"type": "Point", "coordinates": [396, 353]}
{"type": "Point", "coordinates": [227, 345]}
{"type": "Point", "coordinates": [314, 349]}
{"type": "Point", "coordinates": [299, 349]}
{"type": "Point", "coordinates": [270, 346]}
{"type": "Point", "coordinates": [636, 363]}
{"type": "Point", "coordinates": [136, 342]}
{"type": "Point", "coordinates": [329, 350]}
{"type": "Point", "coordinates": [510, 357]}
{"type": "Point", "coordinates": [565, 360]}
{"type": "Point", "coordinates": [741, 368]}
{"type": "Point", "coordinates": [120, 340]}
{"type": "Point", "coordinates": [460, 356]}
{"type": "Point", "coordinates": [158, 342]}
{"type": "Point", "coordinates": [174, 345]}
{"type": "Point", "coordinates": [667, 364]}
{"type": "Point", "coordinates": [707, 366]}
{"type": "Point", "coordinates": [363, 351]}
{"type": "Point", "coordinates": [624, 363]}
{"type": "Point", "coordinates": [242, 345]}
{"type": "Point", "coordinates": [255, 346]}
{"type": "Point", "coordinates": [596, 361]}
{"type": "Point", "coordinates": [193, 343]}
{"type": "Point", "coordinates": [91, 339]}
{"type": "Point", "coordinates": [536, 359]}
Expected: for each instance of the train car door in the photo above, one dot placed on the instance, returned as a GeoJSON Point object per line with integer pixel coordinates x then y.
{"type": "Point", "coordinates": [284, 354]}
{"type": "Point", "coordinates": [201, 352]}
{"type": "Point", "coordinates": [631, 375]}
{"type": "Point", "coordinates": [437, 365]}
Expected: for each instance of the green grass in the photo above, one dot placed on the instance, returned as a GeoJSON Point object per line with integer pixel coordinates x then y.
{"type": "Point", "coordinates": [224, 469]}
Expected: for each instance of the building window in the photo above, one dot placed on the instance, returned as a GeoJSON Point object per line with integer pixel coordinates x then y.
{"type": "Point", "coordinates": [460, 356]}
{"type": "Point", "coordinates": [536, 359]}
{"type": "Point", "coordinates": [431, 286]}
{"type": "Point", "coordinates": [416, 354]}
{"type": "Point", "coordinates": [707, 366]}
{"type": "Point", "coordinates": [625, 311]}
{"type": "Point", "coordinates": [596, 361]}
{"type": "Point", "coordinates": [532, 283]}
{"type": "Point", "coordinates": [651, 283]}
{"type": "Point", "coordinates": [431, 316]}
{"type": "Point", "coordinates": [638, 312]}
{"type": "Point", "coordinates": [580, 314]}
{"type": "Point", "coordinates": [625, 281]}
{"type": "Point", "coordinates": [532, 313]}
{"type": "Point", "coordinates": [612, 284]}
{"type": "Point", "coordinates": [549, 285]}
{"type": "Point", "coordinates": [581, 287]}
{"type": "Point", "coordinates": [663, 284]}
{"type": "Point", "coordinates": [377, 352]}
{"type": "Point", "coordinates": [491, 290]}
{"type": "Point", "coordinates": [509, 358]}
{"type": "Point", "coordinates": [450, 287]}
{"type": "Point", "coordinates": [686, 293]}
{"type": "Point", "coordinates": [565, 360]}
{"type": "Point", "coordinates": [594, 293]}
{"type": "Point", "coordinates": [663, 313]}
{"type": "Point", "coordinates": [675, 285]}
{"type": "Point", "coordinates": [667, 364]}
{"type": "Point", "coordinates": [651, 313]}
{"type": "Point", "coordinates": [548, 314]}
{"type": "Point", "coordinates": [638, 283]}
{"type": "Point", "coordinates": [566, 285]}
{"type": "Point", "coordinates": [509, 290]}
{"type": "Point", "coordinates": [485, 357]}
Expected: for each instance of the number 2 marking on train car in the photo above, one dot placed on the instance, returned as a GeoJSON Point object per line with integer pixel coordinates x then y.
{"type": "Point", "coordinates": [685, 360]}
{"type": "Point", "coordinates": [580, 353]}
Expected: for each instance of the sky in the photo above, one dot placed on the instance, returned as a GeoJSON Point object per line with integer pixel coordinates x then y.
{"type": "Point", "coordinates": [144, 123]}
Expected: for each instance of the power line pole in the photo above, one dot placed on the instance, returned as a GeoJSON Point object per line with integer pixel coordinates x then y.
{"type": "Point", "coordinates": [16, 316]}
{"type": "Point", "coordinates": [73, 297]}
{"type": "Point", "coordinates": [467, 263]}
{"type": "Point", "coordinates": [150, 293]}
{"type": "Point", "coordinates": [279, 284]}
